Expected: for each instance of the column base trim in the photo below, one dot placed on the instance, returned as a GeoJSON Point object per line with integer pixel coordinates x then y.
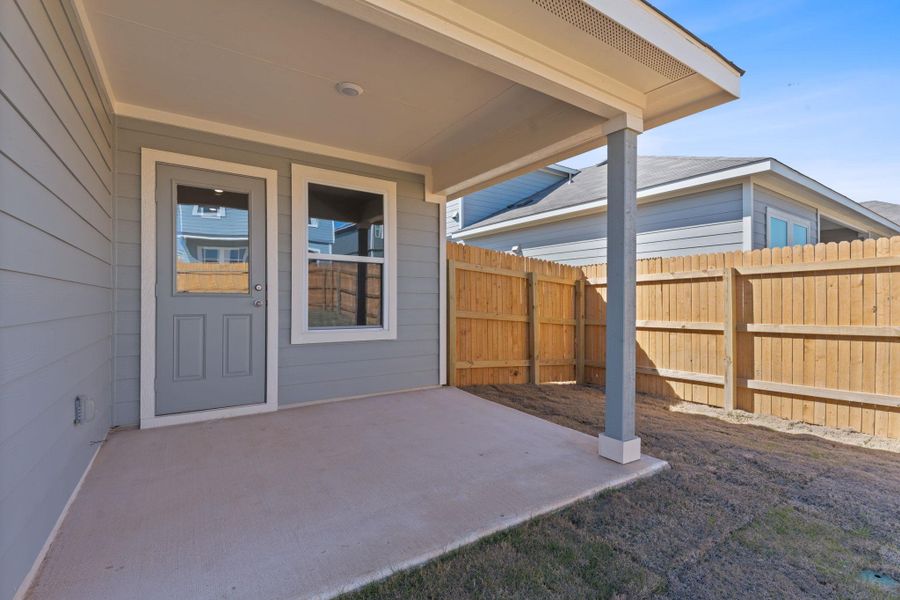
{"type": "Point", "coordinates": [619, 451]}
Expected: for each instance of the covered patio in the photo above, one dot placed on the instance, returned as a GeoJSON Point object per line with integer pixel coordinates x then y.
{"type": "Point", "coordinates": [126, 119]}
{"type": "Point", "coordinates": [314, 501]}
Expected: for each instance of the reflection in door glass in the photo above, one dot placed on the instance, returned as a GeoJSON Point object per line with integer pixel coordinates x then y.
{"type": "Point", "coordinates": [212, 249]}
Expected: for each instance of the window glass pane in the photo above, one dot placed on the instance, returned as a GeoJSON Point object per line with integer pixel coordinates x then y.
{"type": "Point", "coordinates": [800, 234]}
{"type": "Point", "coordinates": [209, 255]}
{"type": "Point", "coordinates": [344, 294]}
{"type": "Point", "coordinates": [349, 222]}
{"type": "Point", "coordinates": [778, 229]}
{"type": "Point", "coordinates": [211, 241]}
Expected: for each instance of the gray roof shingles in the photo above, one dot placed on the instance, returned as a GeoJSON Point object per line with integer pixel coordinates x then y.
{"type": "Point", "coordinates": [887, 210]}
{"type": "Point", "coordinates": [590, 184]}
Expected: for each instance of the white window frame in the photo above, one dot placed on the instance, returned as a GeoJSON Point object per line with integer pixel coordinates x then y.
{"type": "Point", "coordinates": [791, 220]}
{"type": "Point", "coordinates": [301, 177]}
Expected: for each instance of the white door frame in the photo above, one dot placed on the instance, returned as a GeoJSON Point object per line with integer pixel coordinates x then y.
{"type": "Point", "coordinates": [150, 158]}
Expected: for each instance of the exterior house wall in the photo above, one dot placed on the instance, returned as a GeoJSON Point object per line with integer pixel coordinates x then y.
{"type": "Point", "coordinates": [56, 297]}
{"type": "Point", "coordinates": [454, 208]}
{"type": "Point", "coordinates": [489, 201]}
{"type": "Point", "coordinates": [763, 198]}
{"type": "Point", "coordinates": [307, 372]}
{"type": "Point", "coordinates": [698, 223]}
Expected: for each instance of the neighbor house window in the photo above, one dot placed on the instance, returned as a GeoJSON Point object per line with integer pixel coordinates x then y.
{"type": "Point", "coordinates": [783, 229]}
{"type": "Point", "coordinates": [347, 293]}
{"type": "Point", "coordinates": [208, 212]}
{"type": "Point", "coordinates": [211, 255]}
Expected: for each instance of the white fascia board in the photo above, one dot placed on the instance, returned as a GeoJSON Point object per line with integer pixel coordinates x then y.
{"type": "Point", "coordinates": [800, 179]}
{"type": "Point", "coordinates": [598, 205]}
{"type": "Point", "coordinates": [527, 221]}
{"type": "Point", "coordinates": [562, 169]}
{"type": "Point", "coordinates": [669, 37]}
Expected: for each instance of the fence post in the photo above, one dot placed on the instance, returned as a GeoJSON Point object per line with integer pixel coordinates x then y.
{"type": "Point", "coordinates": [730, 279]}
{"type": "Point", "coordinates": [534, 328]}
{"type": "Point", "coordinates": [451, 322]}
{"type": "Point", "coordinates": [579, 331]}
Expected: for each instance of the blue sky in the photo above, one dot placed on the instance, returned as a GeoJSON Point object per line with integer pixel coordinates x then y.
{"type": "Point", "coordinates": [821, 93]}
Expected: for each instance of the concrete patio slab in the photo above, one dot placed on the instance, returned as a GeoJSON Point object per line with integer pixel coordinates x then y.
{"type": "Point", "coordinates": [313, 501]}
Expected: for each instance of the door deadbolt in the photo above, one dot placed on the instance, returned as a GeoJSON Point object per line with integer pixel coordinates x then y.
{"type": "Point", "coordinates": [258, 287]}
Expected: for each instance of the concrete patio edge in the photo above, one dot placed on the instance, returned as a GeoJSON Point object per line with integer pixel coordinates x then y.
{"type": "Point", "coordinates": [651, 469]}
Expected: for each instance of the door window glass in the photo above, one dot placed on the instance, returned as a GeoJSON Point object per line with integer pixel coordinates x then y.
{"type": "Point", "coordinates": [212, 241]}
{"type": "Point", "coordinates": [800, 234]}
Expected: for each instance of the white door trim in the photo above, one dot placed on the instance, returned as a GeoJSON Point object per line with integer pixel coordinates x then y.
{"type": "Point", "coordinates": [150, 158]}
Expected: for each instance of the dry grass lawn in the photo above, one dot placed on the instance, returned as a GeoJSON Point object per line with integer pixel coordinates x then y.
{"type": "Point", "coordinates": [744, 512]}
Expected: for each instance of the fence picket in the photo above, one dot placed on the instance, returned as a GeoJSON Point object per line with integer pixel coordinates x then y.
{"type": "Point", "coordinates": [810, 333]}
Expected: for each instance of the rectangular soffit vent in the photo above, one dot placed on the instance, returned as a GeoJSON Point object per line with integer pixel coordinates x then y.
{"type": "Point", "coordinates": [596, 24]}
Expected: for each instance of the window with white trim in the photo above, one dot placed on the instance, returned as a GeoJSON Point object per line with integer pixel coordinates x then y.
{"type": "Point", "coordinates": [784, 229]}
{"type": "Point", "coordinates": [348, 293]}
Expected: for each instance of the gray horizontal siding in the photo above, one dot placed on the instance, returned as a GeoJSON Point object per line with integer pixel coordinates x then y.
{"type": "Point", "coordinates": [694, 224]}
{"type": "Point", "coordinates": [453, 207]}
{"type": "Point", "coordinates": [56, 255]}
{"type": "Point", "coordinates": [763, 198]}
{"type": "Point", "coordinates": [306, 372]}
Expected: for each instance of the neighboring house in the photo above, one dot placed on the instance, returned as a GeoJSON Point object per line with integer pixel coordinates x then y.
{"type": "Point", "coordinates": [463, 212]}
{"type": "Point", "coordinates": [209, 230]}
{"type": "Point", "coordinates": [887, 210]}
{"type": "Point", "coordinates": [321, 235]}
{"type": "Point", "coordinates": [686, 205]}
{"type": "Point", "coordinates": [349, 239]}
{"type": "Point", "coordinates": [368, 113]}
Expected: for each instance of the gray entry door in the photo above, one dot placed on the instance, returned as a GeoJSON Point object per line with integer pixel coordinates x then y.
{"type": "Point", "coordinates": [211, 290]}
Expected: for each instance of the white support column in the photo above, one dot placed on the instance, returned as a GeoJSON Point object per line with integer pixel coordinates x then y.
{"type": "Point", "coordinates": [618, 442]}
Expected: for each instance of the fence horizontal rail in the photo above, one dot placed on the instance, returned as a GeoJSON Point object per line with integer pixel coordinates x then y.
{"type": "Point", "coordinates": [810, 333]}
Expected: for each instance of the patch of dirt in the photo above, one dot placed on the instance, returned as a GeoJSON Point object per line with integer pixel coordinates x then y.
{"type": "Point", "coordinates": [743, 512]}
{"type": "Point", "coordinates": [843, 436]}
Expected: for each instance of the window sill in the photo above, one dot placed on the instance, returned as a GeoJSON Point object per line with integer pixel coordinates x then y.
{"type": "Point", "coordinates": [341, 335]}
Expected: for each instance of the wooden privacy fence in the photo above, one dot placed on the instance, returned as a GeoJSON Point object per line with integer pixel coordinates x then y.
{"type": "Point", "coordinates": [212, 277]}
{"type": "Point", "coordinates": [334, 292]}
{"type": "Point", "coordinates": [810, 333]}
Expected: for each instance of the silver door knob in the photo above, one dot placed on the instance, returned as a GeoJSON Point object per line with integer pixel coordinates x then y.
{"type": "Point", "coordinates": [257, 303]}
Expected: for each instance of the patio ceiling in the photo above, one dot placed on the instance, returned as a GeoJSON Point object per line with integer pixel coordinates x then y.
{"type": "Point", "coordinates": [465, 92]}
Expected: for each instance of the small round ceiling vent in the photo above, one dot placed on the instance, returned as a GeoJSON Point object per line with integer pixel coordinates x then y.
{"type": "Point", "coordinates": [347, 88]}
